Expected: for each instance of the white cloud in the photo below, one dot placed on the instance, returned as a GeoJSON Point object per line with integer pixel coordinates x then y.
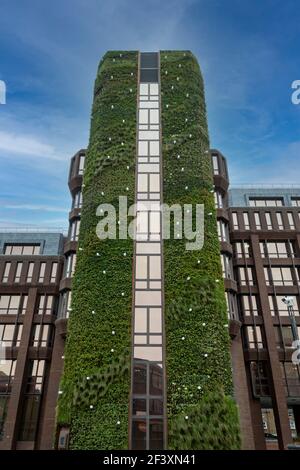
{"type": "Point", "coordinates": [26, 145]}
{"type": "Point", "coordinates": [34, 207]}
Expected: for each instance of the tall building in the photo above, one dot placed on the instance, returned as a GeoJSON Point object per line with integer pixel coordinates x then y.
{"type": "Point", "coordinates": [156, 348]}
{"type": "Point", "coordinates": [259, 232]}
{"type": "Point", "coordinates": [147, 359]}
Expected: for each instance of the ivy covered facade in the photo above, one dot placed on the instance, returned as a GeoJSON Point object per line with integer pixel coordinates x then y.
{"type": "Point", "coordinates": [94, 403]}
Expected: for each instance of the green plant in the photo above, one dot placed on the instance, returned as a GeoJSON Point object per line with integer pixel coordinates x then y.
{"type": "Point", "coordinates": [197, 339]}
{"type": "Point", "coordinates": [97, 413]}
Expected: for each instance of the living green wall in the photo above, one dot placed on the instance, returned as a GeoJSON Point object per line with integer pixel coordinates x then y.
{"type": "Point", "coordinates": [201, 412]}
{"type": "Point", "coordinates": [96, 380]}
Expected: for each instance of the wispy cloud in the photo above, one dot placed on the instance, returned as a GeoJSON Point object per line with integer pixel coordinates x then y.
{"type": "Point", "coordinates": [34, 207]}
{"type": "Point", "coordinates": [26, 145]}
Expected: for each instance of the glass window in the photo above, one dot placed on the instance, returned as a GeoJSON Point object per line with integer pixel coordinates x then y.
{"type": "Point", "coordinates": [70, 265]}
{"type": "Point", "coordinates": [42, 335]}
{"type": "Point", "coordinates": [10, 334]}
{"type": "Point", "coordinates": [42, 272]}
{"type": "Point", "coordinates": [7, 373]}
{"type": "Point", "coordinates": [259, 377]}
{"type": "Point", "coordinates": [257, 220]}
{"type": "Point", "coordinates": [32, 399]}
{"type": "Point", "coordinates": [6, 272]}
{"type": "Point", "coordinates": [295, 201]}
{"type": "Point", "coordinates": [65, 304]}
{"type": "Point", "coordinates": [81, 164]}
{"type": "Point", "coordinates": [30, 272]}
{"type": "Point", "coordinates": [246, 220]}
{"type": "Point", "coordinates": [284, 336]}
{"type": "Point", "coordinates": [222, 231]}
{"type": "Point", "coordinates": [279, 220]}
{"type": "Point", "coordinates": [215, 164]}
{"type": "Point", "coordinates": [278, 307]}
{"type": "Point", "coordinates": [276, 249]}
{"type": "Point", "coordinates": [279, 276]}
{"type": "Point", "coordinates": [291, 220]}
{"type": "Point", "coordinates": [232, 311]}
{"type": "Point", "coordinates": [254, 337]}
{"type": "Point", "coordinates": [291, 378]}
{"type": "Point", "coordinates": [235, 221]}
{"type": "Point", "coordinates": [246, 276]}
{"type": "Point", "coordinates": [265, 202]}
{"type": "Point", "coordinates": [18, 249]}
{"type": "Point", "coordinates": [268, 220]}
{"type": "Point", "coordinates": [249, 305]}
{"type": "Point", "coordinates": [218, 200]}
{"type": "Point", "coordinates": [226, 266]}
{"type": "Point", "coordinates": [18, 272]}
{"type": "Point", "coordinates": [53, 272]}
{"type": "Point", "coordinates": [46, 305]}
{"type": "Point", "coordinates": [74, 230]}
{"type": "Point", "coordinates": [77, 200]}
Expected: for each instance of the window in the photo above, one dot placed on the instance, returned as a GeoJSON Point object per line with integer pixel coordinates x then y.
{"type": "Point", "coordinates": [6, 272]}
{"type": "Point", "coordinates": [279, 220]}
{"type": "Point", "coordinates": [218, 200]}
{"type": "Point", "coordinates": [215, 164]}
{"type": "Point", "coordinates": [13, 304]}
{"type": "Point", "coordinates": [81, 164]}
{"type": "Point", "coordinates": [242, 249]}
{"type": "Point", "coordinates": [231, 302]}
{"type": "Point", "coordinates": [259, 376]}
{"type": "Point", "coordinates": [249, 305]}
{"type": "Point", "coordinates": [279, 276]}
{"type": "Point", "coordinates": [53, 272]}
{"type": "Point", "coordinates": [10, 334]}
{"type": "Point", "coordinates": [42, 272]}
{"type": "Point", "coordinates": [254, 337]}
{"type": "Point", "coordinates": [32, 399]}
{"type": "Point", "coordinates": [222, 231]}
{"type": "Point", "coordinates": [46, 305]}
{"type": "Point", "coordinates": [284, 336]}
{"type": "Point", "coordinates": [257, 220]}
{"type": "Point", "coordinates": [291, 220]}
{"type": "Point", "coordinates": [277, 249]}
{"type": "Point", "coordinates": [18, 272]}
{"type": "Point", "coordinates": [7, 372]}
{"type": "Point", "coordinates": [278, 307]}
{"type": "Point", "coordinates": [70, 265]}
{"type": "Point", "coordinates": [291, 379]}
{"type": "Point", "coordinates": [265, 202]}
{"type": "Point", "coordinates": [65, 304]}
{"type": "Point", "coordinates": [246, 220]}
{"type": "Point", "coordinates": [235, 221]}
{"type": "Point", "coordinates": [42, 335]}
{"type": "Point", "coordinates": [18, 249]}
{"type": "Point", "coordinates": [77, 200]}
{"type": "Point", "coordinates": [30, 272]}
{"type": "Point", "coordinates": [74, 230]}
{"type": "Point", "coordinates": [268, 220]}
{"type": "Point", "coordinates": [295, 201]}
{"type": "Point", "coordinates": [226, 266]}
{"type": "Point", "coordinates": [246, 276]}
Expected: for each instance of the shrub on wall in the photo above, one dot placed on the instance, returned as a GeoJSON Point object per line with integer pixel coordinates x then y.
{"type": "Point", "coordinates": [201, 412]}
{"type": "Point", "coordinates": [96, 380]}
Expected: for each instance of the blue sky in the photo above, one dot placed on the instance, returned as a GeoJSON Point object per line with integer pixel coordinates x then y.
{"type": "Point", "coordinates": [49, 51]}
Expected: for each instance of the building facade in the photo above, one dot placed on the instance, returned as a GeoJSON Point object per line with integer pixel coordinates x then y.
{"type": "Point", "coordinates": [259, 232]}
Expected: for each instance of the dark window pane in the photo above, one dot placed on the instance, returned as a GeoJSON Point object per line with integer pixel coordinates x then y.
{"type": "Point", "coordinates": [3, 409]}
{"type": "Point", "coordinates": [156, 379]}
{"type": "Point", "coordinates": [149, 75]}
{"type": "Point", "coordinates": [139, 435]}
{"type": "Point", "coordinates": [156, 407]}
{"type": "Point", "coordinates": [29, 419]}
{"type": "Point", "coordinates": [140, 379]}
{"type": "Point", "coordinates": [149, 60]}
{"type": "Point", "coordinates": [139, 406]}
{"type": "Point", "coordinates": [156, 434]}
